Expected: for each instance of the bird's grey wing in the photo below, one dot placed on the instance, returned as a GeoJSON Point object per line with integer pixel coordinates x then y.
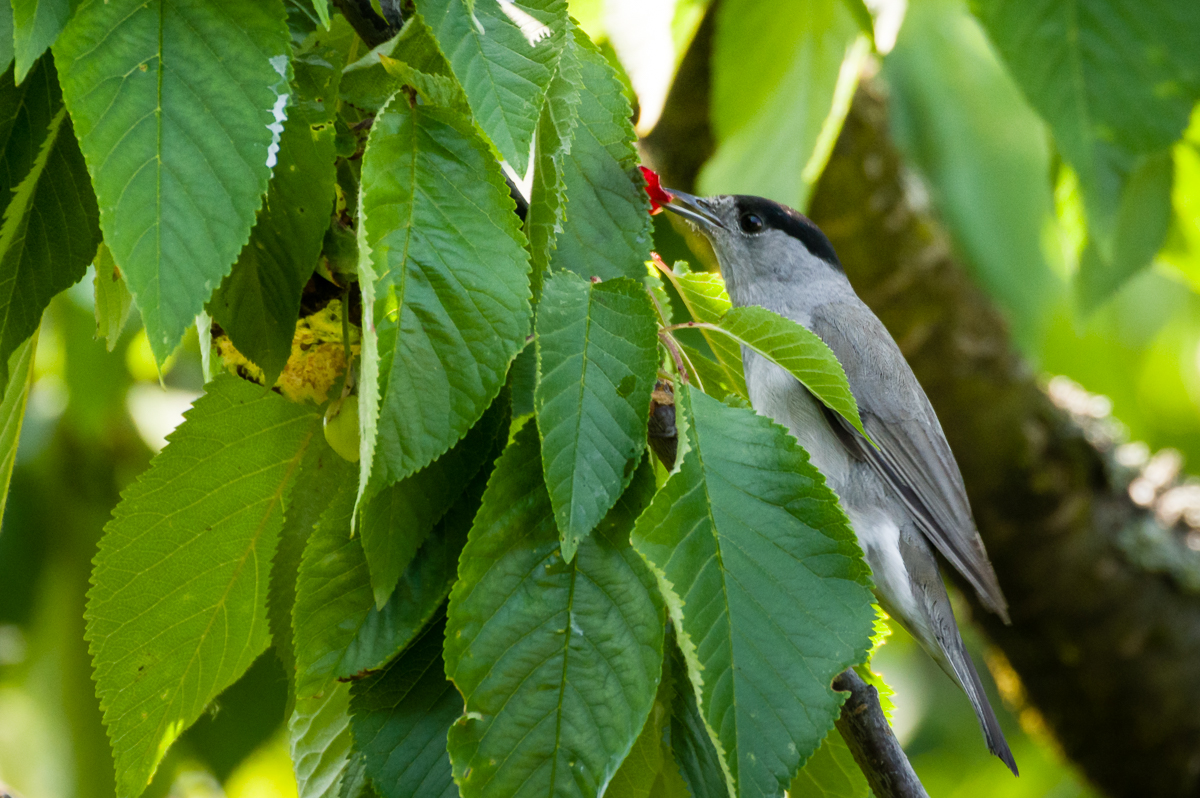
{"type": "Point", "coordinates": [913, 456]}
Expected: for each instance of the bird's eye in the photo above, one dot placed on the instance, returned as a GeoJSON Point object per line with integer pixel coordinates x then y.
{"type": "Point", "coordinates": [751, 223]}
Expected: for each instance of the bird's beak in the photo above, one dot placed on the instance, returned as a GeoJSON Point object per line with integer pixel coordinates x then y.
{"type": "Point", "coordinates": [694, 209]}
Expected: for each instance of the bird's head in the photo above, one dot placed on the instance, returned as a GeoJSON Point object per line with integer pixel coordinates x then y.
{"type": "Point", "coordinates": [759, 242]}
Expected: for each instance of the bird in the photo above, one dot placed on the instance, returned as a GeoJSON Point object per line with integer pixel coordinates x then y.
{"type": "Point", "coordinates": [901, 490]}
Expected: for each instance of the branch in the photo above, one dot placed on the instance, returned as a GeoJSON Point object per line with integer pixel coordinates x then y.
{"type": "Point", "coordinates": [1093, 556]}
{"type": "Point", "coordinates": [662, 434]}
{"type": "Point", "coordinates": [869, 738]}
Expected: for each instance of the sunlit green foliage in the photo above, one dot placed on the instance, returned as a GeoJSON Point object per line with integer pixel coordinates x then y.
{"type": "Point", "coordinates": [504, 596]}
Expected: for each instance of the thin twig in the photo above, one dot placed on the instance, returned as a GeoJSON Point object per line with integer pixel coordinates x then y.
{"type": "Point", "coordinates": [676, 355]}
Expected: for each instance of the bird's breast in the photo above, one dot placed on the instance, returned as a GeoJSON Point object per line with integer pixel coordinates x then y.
{"type": "Point", "coordinates": [778, 395]}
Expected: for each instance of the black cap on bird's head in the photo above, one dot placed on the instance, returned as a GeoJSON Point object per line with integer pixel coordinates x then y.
{"type": "Point", "coordinates": [727, 217]}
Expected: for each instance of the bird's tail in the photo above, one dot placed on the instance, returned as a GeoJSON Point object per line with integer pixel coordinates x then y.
{"type": "Point", "coordinates": [968, 678]}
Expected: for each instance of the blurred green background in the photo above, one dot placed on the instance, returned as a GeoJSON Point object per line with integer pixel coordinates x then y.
{"type": "Point", "coordinates": [980, 156]}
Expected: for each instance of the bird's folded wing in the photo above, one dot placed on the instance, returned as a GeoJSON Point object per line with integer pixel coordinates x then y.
{"type": "Point", "coordinates": [912, 454]}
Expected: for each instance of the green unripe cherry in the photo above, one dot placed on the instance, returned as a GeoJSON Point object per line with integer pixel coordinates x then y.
{"type": "Point", "coordinates": [341, 427]}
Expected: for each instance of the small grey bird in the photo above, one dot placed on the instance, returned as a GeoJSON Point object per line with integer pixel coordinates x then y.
{"type": "Point", "coordinates": [904, 499]}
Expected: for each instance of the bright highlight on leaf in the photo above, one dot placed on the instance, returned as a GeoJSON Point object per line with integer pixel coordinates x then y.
{"type": "Point", "coordinates": [503, 73]}
{"type": "Point", "coordinates": [597, 357]}
{"type": "Point", "coordinates": [796, 349]}
{"type": "Point", "coordinates": [177, 611]}
{"type": "Point", "coordinates": [766, 588]}
{"type": "Point", "coordinates": [173, 103]}
{"type": "Point", "coordinates": [557, 687]}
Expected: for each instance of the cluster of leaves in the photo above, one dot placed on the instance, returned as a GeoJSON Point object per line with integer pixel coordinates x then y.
{"type": "Point", "coordinates": [507, 595]}
{"type": "Point", "coordinates": [1116, 81]}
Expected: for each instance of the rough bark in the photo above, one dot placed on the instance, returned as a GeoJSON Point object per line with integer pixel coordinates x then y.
{"type": "Point", "coordinates": [1104, 592]}
{"type": "Point", "coordinates": [869, 737]}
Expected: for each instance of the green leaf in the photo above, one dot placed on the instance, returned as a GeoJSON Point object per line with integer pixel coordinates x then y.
{"type": "Point", "coordinates": [1114, 78]}
{"type": "Point", "coordinates": [333, 596]}
{"type": "Point", "coordinates": [830, 773]}
{"type": "Point", "coordinates": [142, 79]}
{"type": "Point", "coordinates": [446, 283]}
{"type": "Point", "coordinates": [597, 347]}
{"type": "Point", "coordinates": [12, 411]}
{"type": "Point", "coordinates": [714, 378]}
{"type": "Point", "coordinates": [427, 581]}
{"type": "Point", "coordinates": [606, 226]}
{"type": "Point", "coordinates": [556, 125]}
{"type": "Point", "coordinates": [6, 36]}
{"type": "Point", "coordinates": [400, 720]}
{"type": "Point", "coordinates": [799, 351]}
{"type": "Point", "coordinates": [259, 302]}
{"type": "Point", "coordinates": [412, 58]}
{"type": "Point", "coordinates": [355, 783]}
{"type": "Point", "coordinates": [649, 771]}
{"type": "Point", "coordinates": [960, 118]}
{"type": "Point", "coordinates": [699, 765]}
{"type": "Point", "coordinates": [783, 76]}
{"type": "Point", "coordinates": [504, 76]}
{"type": "Point", "coordinates": [1139, 230]}
{"type": "Point", "coordinates": [177, 610]}
{"type": "Point", "coordinates": [50, 230]}
{"type": "Point", "coordinates": [557, 662]}
{"type": "Point", "coordinates": [339, 632]}
{"type": "Point", "coordinates": [239, 720]}
{"type": "Point", "coordinates": [766, 586]}
{"type": "Point", "coordinates": [320, 740]}
{"type": "Point", "coordinates": [36, 24]}
{"type": "Point", "coordinates": [322, 9]}
{"type": "Point", "coordinates": [862, 15]}
{"type": "Point", "coordinates": [653, 282]}
{"type": "Point", "coordinates": [322, 474]}
{"type": "Point", "coordinates": [432, 89]}
{"type": "Point", "coordinates": [704, 295]}
{"type": "Point", "coordinates": [113, 300]}
{"type": "Point", "coordinates": [397, 521]}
